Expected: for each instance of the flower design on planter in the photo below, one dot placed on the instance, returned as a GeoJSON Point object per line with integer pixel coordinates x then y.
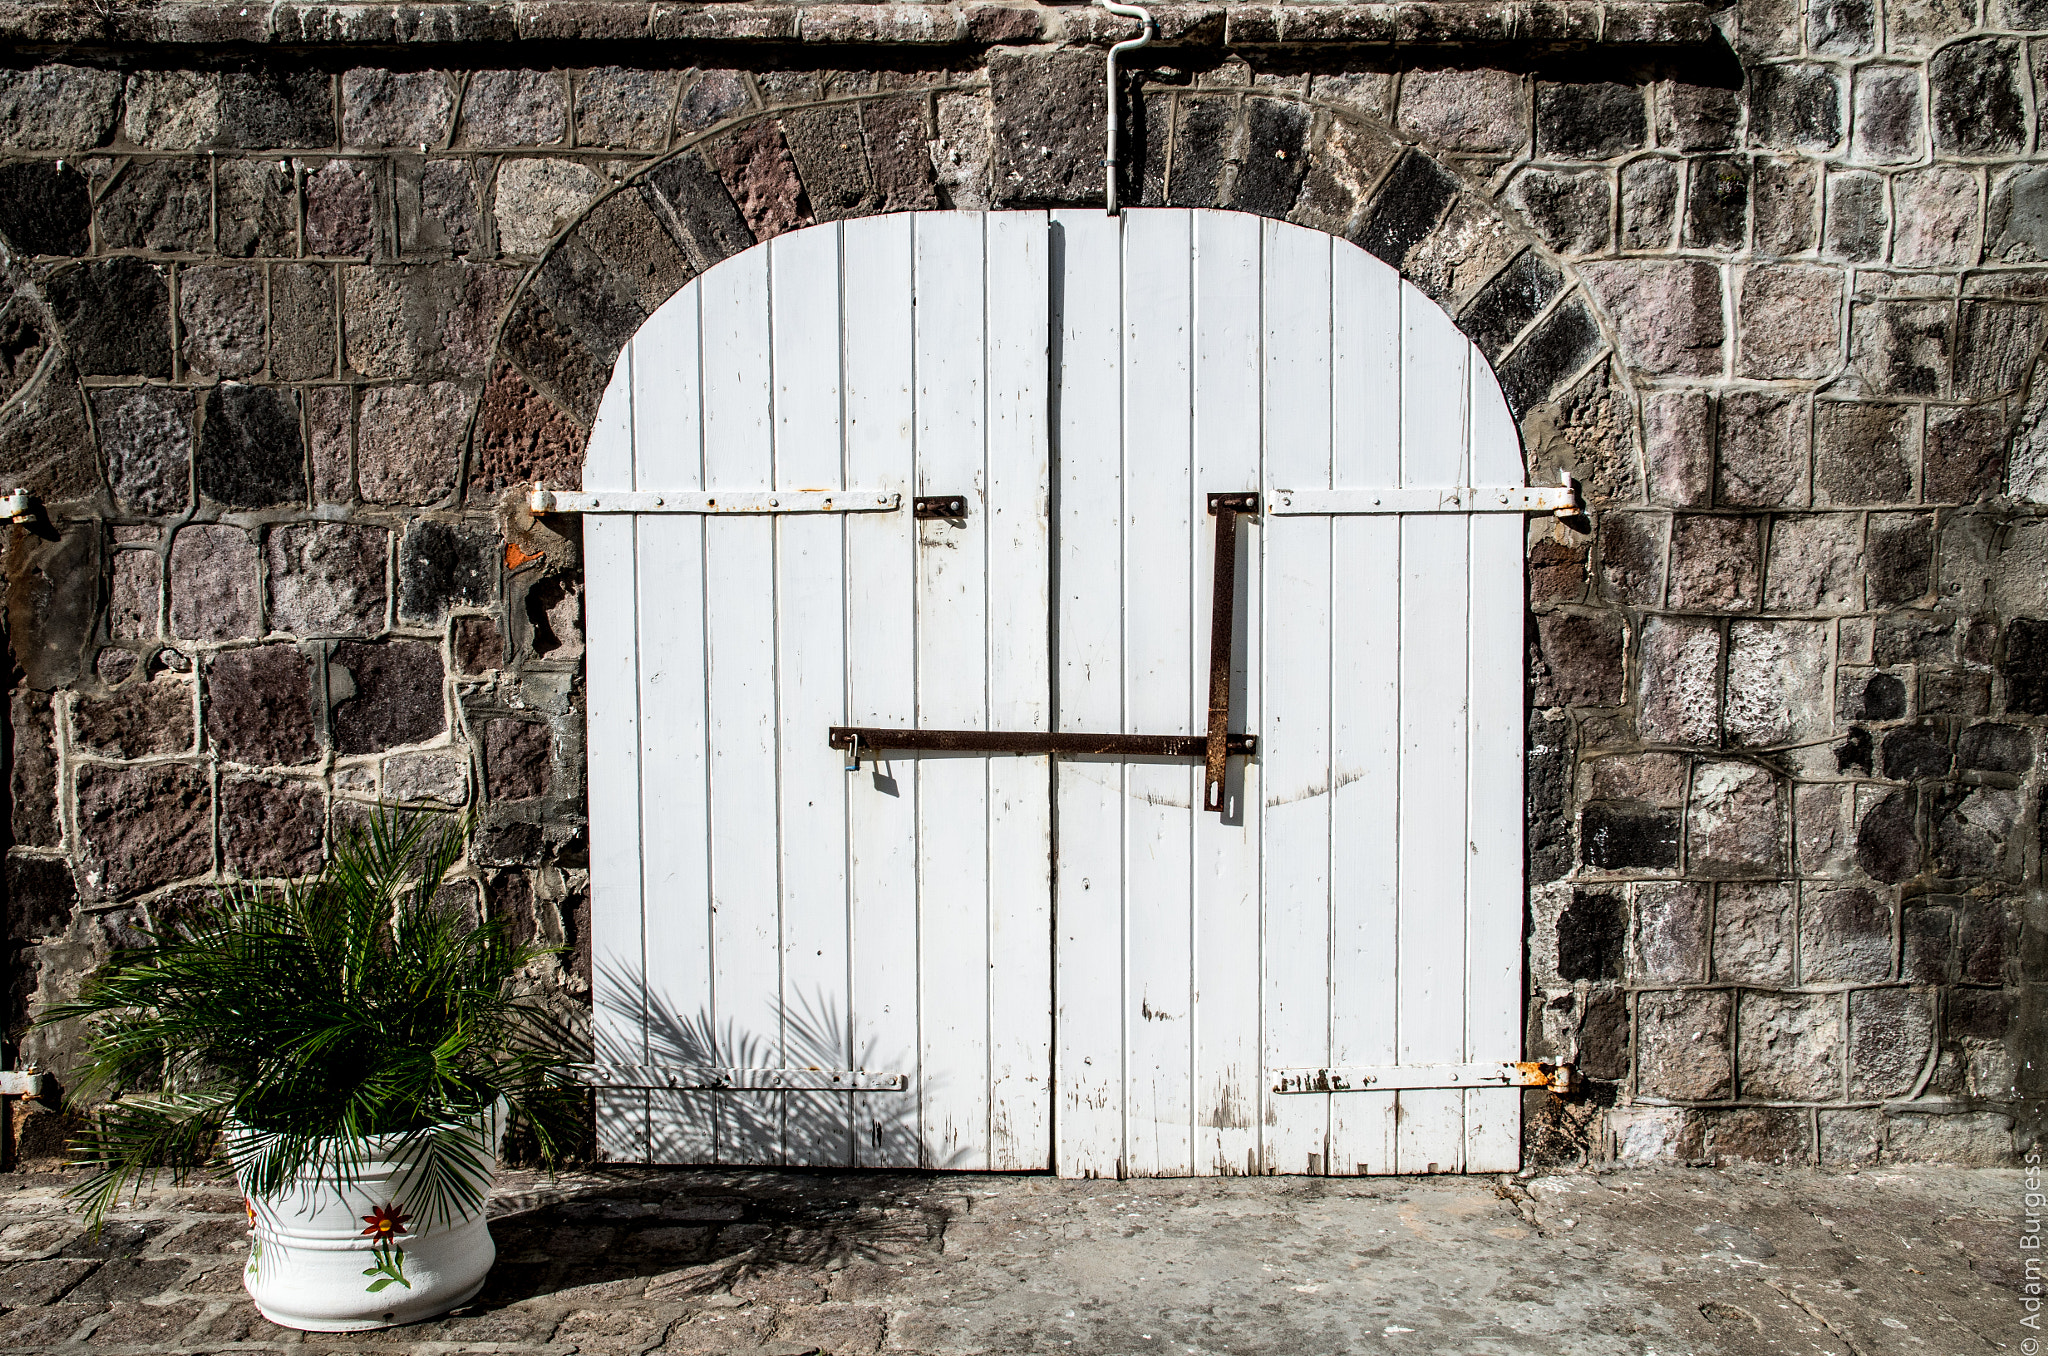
{"type": "Point", "coordinates": [387, 1223]}
{"type": "Point", "coordinates": [255, 1241]}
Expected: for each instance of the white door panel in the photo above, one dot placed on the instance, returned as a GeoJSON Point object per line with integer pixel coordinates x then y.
{"type": "Point", "coordinates": [1067, 960]}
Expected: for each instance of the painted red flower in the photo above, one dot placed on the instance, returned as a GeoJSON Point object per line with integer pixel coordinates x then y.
{"type": "Point", "coordinates": [250, 1206]}
{"type": "Point", "coordinates": [386, 1223]}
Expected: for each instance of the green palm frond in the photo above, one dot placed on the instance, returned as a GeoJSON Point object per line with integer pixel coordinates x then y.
{"type": "Point", "coordinates": [312, 1023]}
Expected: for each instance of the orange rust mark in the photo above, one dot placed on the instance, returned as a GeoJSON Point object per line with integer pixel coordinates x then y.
{"type": "Point", "coordinates": [517, 555]}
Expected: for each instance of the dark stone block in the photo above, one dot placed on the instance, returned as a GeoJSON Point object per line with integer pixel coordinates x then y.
{"type": "Point", "coordinates": [1980, 1014]}
{"type": "Point", "coordinates": [256, 209]}
{"type": "Point", "coordinates": [1624, 836]}
{"type": "Point", "coordinates": [1505, 306]}
{"type": "Point", "coordinates": [1858, 223]}
{"type": "Point", "coordinates": [1590, 121]}
{"type": "Point", "coordinates": [143, 826]}
{"type": "Point", "coordinates": [1406, 208]}
{"type": "Point", "coordinates": [1954, 692]}
{"type": "Point", "coordinates": [146, 435]}
{"type": "Point", "coordinates": [116, 314]}
{"type": "Point", "coordinates": [53, 596]}
{"type": "Point", "coordinates": [1996, 344]}
{"type": "Point", "coordinates": [140, 720]}
{"type": "Point", "coordinates": [830, 155]}
{"type": "Point", "coordinates": [1784, 193]}
{"type": "Point", "coordinates": [1569, 209]}
{"type": "Point", "coordinates": [32, 774]}
{"type": "Point", "coordinates": [259, 706]}
{"type": "Point", "coordinates": [522, 437]}
{"type": "Point", "coordinates": [1717, 204]}
{"type": "Point", "coordinates": [1795, 107]}
{"type": "Point", "coordinates": [1854, 753]}
{"type": "Point", "coordinates": [1973, 826]}
{"type": "Point", "coordinates": [1995, 748]}
{"type": "Point", "coordinates": [1979, 99]}
{"type": "Point", "coordinates": [1913, 637]}
{"type": "Point", "coordinates": [1554, 352]}
{"type": "Point", "coordinates": [250, 452]}
{"type": "Point", "coordinates": [1911, 752]}
{"type": "Point", "coordinates": [162, 205]}
{"type": "Point", "coordinates": [1987, 929]}
{"type": "Point", "coordinates": [755, 163]}
{"type": "Point", "coordinates": [29, 1285]}
{"type": "Point", "coordinates": [1965, 454]}
{"type": "Point", "coordinates": [302, 340]}
{"type": "Point", "coordinates": [40, 897]}
{"type": "Point", "coordinates": [1048, 114]}
{"type": "Point", "coordinates": [518, 759]}
{"type": "Point", "coordinates": [1202, 144]}
{"type": "Point", "coordinates": [124, 1279]}
{"type": "Point", "coordinates": [1841, 27]}
{"type": "Point", "coordinates": [899, 154]}
{"type": "Point", "coordinates": [1591, 933]}
{"type": "Point", "coordinates": [705, 219]}
{"type": "Point", "coordinates": [1698, 117]}
{"type": "Point", "coordinates": [277, 110]}
{"type": "Point", "coordinates": [1603, 1036]}
{"type": "Point", "coordinates": [270, 829]}
{"type": "Point", "coordinates": [393, 695]}
{"type": "Point", "coordinates": [1547, 783]}
{"type": "Point", "coordinates": [45, 210]}
{"type": "Point", "coordinates": [1582, 659]}
{"type": "Point", "coordinates": [549, 354]}
{"type": "Point", "coordinates": [1269, 180]}
{"type": "Point", "coordinates": [478, 644]}
{"type": "Point", "coordinates": [443, 565]}
{"type": "Point", "coordinates": [2025, 667]}
{"type": "Point", "coordinates": [1888, 840]}
{"type": "Point", "coordinates": [1927, 939]}
{"type": "Point", "coordinates": [1899, 555]}
{"type": "Point", "coordinates": [511, 845]}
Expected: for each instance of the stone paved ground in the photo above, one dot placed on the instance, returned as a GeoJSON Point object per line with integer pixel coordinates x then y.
{"type": "Point", "coordinates": [1667, 1262]}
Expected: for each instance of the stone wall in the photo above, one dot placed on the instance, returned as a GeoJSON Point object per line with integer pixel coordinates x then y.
{"type": "Point", "coordinates": [293, 297]}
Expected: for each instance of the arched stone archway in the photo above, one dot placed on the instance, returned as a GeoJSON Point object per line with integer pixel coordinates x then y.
{"type": "Point", "coordinates": [1313, 161]}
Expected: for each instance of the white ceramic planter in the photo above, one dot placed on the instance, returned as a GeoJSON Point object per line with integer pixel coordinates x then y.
{"type": "Point", "coordinates": [329, 1258]}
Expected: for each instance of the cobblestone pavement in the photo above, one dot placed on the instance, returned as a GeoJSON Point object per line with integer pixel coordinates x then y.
{"type": "Point", "coordinates": [634, 1260]}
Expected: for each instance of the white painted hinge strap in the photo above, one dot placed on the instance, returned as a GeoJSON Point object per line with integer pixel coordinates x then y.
{"type": "Point", "coordinates": [1398, 1077]}
{"type": "Point", "coordinates": [712, 501]}
{"type": "Point", "coordinates": [20, 1083]}
{"type": "Point", "coordinates": [1559, 499]}
{"type": "Point", "coordinates": [691, 1078]}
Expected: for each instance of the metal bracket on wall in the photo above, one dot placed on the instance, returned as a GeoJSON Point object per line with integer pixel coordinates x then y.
{"type": "Point", "coordinates": [1414, 1077]}
{"type": "Point", "coordinates": [686, 1078]}
{"type": "Point", "coordinates": [712, 501]}
{"type": "Point", "coordinates": [939, 506]}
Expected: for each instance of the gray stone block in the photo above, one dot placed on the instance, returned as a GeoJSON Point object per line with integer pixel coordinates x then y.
{"type": "Point", "coordinates": [1814, 564]}
{"type": "Point", "coordinates": [617, 106]}
{"type": "Point", "coordinates": [58, 108]}
{"type": "Point", "coordinates": [1789, 1046]}
{"type": "Point", "coordinates": [213, 584]}
{"type": "Point", "coordinates": [1682, 1045]}
{"type": "Point", "coordinates": [1735, 825]}
{"type": "Point", "coordinates": [1795, 107]}
{"type": "Point", "coordinates": [1569, 209]}
{"type": "Point", "coordinates": [1679, 683]}
{"type": "Point", "coordinates": [221, 320]}
{"type": "Point", "coordinates": [381, 108]}
{"type": "Point", "coordinates": [1789, 318]}
{"type": "Point", "coordinates": [1764, 440]}
{"type": "Point", "coordinates": [260, 706]}
{"type": "Point", "coordinates": [1717, 203]}
{"type": "Point", "coordinates": [270, 828]}
{"type": "Point", "coordinates": [385, 694]}
{"type": "Point", "coordinates": [327, 579]}
{"type": "Point", "coordinates": [1858, 225]}
{"type": "Point", "coordinates": [514, 108]}
{"type": "Point", "coordinates": [1777, 689]}
{"type": "Point", "coordinates": [146, 436]}
{"type": "Point", "coordinates": [1668, 316]}
{"type": "Point", "coordinates": [409, 442]}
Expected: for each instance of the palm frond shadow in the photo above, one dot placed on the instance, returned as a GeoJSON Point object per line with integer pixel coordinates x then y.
{"type": "Point", "coordinates": [821, 1128]}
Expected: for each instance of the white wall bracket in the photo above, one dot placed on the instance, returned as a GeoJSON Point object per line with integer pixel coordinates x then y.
{"type": "Point", "coordinates": [542, 500]}
{"type": "Point", "coordinates": [1413, 1077]}
{"type": "Point", "coordinates": [693, 1078]}
{"type": "Point", "coordinates": [1562, 500]}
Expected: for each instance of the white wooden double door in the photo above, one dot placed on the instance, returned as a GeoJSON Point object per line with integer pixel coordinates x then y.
{"type": "Point", "coordinates": [1068, 963]}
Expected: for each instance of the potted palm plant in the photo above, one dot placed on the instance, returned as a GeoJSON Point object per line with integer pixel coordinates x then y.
{"type": "Point", "coordinates": [350, 1048]}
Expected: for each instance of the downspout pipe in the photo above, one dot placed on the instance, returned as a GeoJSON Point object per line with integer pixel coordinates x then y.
{"type": "Point", "coordinates": [1116, 121]}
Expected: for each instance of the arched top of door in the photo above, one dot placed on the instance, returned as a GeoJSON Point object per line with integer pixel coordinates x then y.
{"type": "Point", "coordinates": [1318, 165]}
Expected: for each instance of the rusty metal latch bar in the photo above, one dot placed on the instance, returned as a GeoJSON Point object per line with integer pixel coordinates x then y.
{"type": "Point", "coordinates": [874, 739]}
{"type": "Point", "coordinates": [939, 506]}
{"type": "Point", "coordinates": [1413, 1077]}
{"type": "Point", "coordinates": [685, 1078]}
{"type": "Point", "coordinates": [1562, 500]}
{"type": "Point", "coordinates": [1222, 638]}
{"type": "Point", "coordinates": [542, 500]}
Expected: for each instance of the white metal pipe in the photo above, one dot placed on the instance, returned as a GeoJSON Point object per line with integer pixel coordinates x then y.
{"type": "Point", "coordinates": [1115, 133]}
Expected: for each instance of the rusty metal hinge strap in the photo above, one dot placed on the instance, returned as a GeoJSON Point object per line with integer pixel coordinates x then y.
{"type": "Point", "coordinates": [874, 739]}
{"type": "Point", "coordinates": [1222, 640]}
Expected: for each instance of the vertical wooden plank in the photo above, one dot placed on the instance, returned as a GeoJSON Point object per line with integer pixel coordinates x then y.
{"type": "Point", "coordinates": [1020, 692]}
{"type": "Point", "coordinates": [1494, 884]}
{"type": "Point", "coordinates": [1296, 725]}
{"type": "Point", "coordinates": [666, 379]}
{"type": "Point", "coordinates": [881, 655]}
{"type": "Point", "coordinates": [1434, 676]}
{"type": "Point", "coordinates": [1229, 1090]}
{"type": "Point", "coordinates": [1158, 525]}
{"type": "Point", "coordinates": [1365, 701]}
{"type": "Point", "coordinates": [739, 555]}
{"type": "Point", "coordinates": [618, 1016]}
{"type": "Point", "coordinates": [952, 688]}
{"type": "Point", "coordinates": [1088, 998]}
{"type": "Point", "coordinates": [810, 666]}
